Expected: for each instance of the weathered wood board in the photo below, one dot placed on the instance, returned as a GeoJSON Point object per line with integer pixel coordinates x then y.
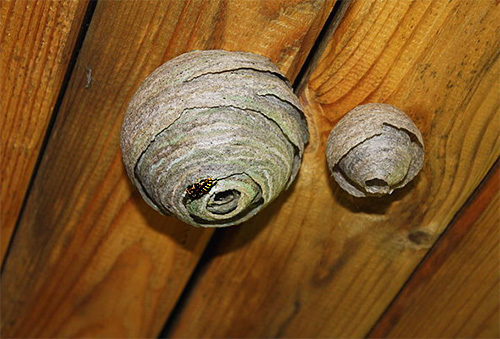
{"type": "Point", "coordinates": [90, 258]}
{"type": "Point", "coordinates": [319, 263]}
{"type": "Point", "coordinates": [455, 292]}
{"type": "Point", "coordinates": [37, 39]}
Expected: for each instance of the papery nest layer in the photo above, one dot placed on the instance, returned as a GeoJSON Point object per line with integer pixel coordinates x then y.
{"type": "Point", "coordinates": [374, 149]}
{"type": "Point", "coordinates": [228, 116]}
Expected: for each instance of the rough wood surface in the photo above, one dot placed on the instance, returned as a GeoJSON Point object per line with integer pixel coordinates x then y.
{"type": "Point", "coordinates": [455, 292]}
{"type": "Point", "coordinates": [321, 263]}
{"type": "Point", "coordinates": [36, 39]}
{"type": "Point", "coordinates": [90, 258]}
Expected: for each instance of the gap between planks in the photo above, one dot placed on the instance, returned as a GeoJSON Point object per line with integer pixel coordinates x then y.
{"type": "Point", "coordinates": [44, 320]}
{"type": "Point", "coordinates": [331, 23]}
{"type": "Point", "coordinates": [480, 189]}
{"type": "Point", "coordinates": [89, 12]}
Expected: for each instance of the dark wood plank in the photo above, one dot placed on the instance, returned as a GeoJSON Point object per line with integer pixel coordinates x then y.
{"type": "Point", "coordinates": [455, 292]}
{"type": "Point", "coordinates": [90, 259]}
{"type": "Point", "coordinates": [320, 263]}
{"type": "Point", "coordinates": [37, 40]}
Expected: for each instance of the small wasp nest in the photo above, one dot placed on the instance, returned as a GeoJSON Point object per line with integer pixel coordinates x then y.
{"type": "Point", "coordinates": [374, 149]}
{"type": "Point", "coordinates": [212, 137]}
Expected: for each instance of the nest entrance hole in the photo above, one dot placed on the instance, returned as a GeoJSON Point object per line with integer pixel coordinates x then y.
{"type": "Point", "coordinates": [376, 185]}
{"type": "Point", "coordinates": [224, 202]}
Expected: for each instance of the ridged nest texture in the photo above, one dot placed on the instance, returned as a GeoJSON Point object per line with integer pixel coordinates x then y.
{"type": "Point", "coordinates": [374, 149]}
{"type": "Point", "coordinates": [229, 119]}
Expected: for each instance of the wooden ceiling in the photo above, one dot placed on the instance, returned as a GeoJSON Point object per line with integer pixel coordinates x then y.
{"type": "Point", "coordinates": [84, 256]}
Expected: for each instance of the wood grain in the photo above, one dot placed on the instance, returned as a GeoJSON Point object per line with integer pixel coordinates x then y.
{"type": "Point", "coordinates": [36, 39]}
{"type": "Point", "coordinates": [90, 258]}
{"type": "Point", "coordinates": [320, 263]}
{"type": "Point", "coordinates": [455, 292]}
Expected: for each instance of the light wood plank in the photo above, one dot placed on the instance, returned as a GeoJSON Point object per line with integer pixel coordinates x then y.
{"type": "Point", "coordinates": [91, 259]}
{"type": "Point", "coordinates": [320, 263]}
{"type": "Point", "coordinates": [36, 39]}
{"type": "Point", "coordinates": [455, 292]}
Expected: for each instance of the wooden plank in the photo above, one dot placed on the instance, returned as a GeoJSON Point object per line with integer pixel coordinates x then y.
{"type": "Point", "coordinates": [320, 263]}
{"type": "Point", "coordinates": [91, 259]}
{"type": "Point", "coordinates": [36, 39]}
{"type": "Point", "coordinates": [455, 292]}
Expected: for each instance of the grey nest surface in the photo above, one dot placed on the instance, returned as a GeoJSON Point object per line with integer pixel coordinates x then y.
{"type": "Point", "coordinates": [228, 117]}
{"type": "Point", "coordinates": [374, 149]}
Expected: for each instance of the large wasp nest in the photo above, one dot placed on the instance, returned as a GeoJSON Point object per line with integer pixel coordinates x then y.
{"type": "Point", "coordinates": [374, 149]}
{"type": "Point", "coordinates": [212, 137]}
